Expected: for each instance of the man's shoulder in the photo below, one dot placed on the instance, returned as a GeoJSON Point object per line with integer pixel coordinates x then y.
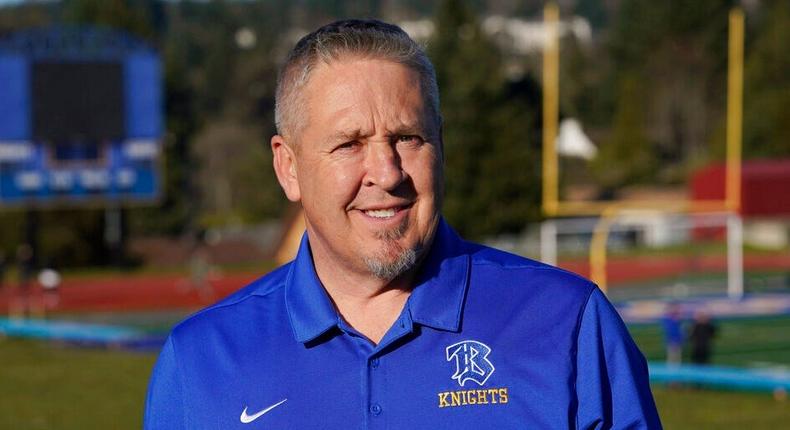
{"type": "Point", "coordinates": [259, 295]}
{"type": "Point", "coordinates": [522, 269]}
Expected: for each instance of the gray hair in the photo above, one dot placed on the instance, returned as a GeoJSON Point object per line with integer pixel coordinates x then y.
{"type": "Point", "coordinates": [357, 38]}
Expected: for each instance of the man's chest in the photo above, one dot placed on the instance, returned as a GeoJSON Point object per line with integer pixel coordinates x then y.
{"type": "Point", "coordinates": [428, 379]}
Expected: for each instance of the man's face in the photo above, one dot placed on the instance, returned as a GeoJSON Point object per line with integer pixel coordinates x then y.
{"type": "Point", "coordinates": [367, 167]}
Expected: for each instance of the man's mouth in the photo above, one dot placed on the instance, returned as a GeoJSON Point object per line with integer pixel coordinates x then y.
{"type": "Point", "coordinates": [384, 213]}
{"type": "Point", "coordinates": [381, 213]}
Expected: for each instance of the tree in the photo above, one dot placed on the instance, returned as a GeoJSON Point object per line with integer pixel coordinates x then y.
{"type": "Point", "coordinates": [766, 127]}
{"type": "Point", "coordinates": [627, 156]}
{"type": "Point", "coordinates": [128, 15]}
{"type": "Point", "coordinates": [489, 126]}
{"type": "Point", "coordinates": [679, 50]}
{"type": "Point", "coordinates": [468, 76]}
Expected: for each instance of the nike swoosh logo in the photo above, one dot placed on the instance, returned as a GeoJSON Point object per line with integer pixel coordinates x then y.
{"type": "Point", "coordinates": [246, 419]}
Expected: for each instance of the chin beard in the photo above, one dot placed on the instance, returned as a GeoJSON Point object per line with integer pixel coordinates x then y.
{"type": "Point", "coordinates": [383, 266]}
{"type": "Point", "coordinates": [389, 270]}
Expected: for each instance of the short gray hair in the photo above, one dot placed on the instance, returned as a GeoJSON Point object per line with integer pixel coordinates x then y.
{"type": "Point", "coordinates": [357, 38]}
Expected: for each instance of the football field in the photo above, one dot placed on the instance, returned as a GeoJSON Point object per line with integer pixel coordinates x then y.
{"type": "Point", "coordinates": [46, 385]}
{"type": "Point", "coordinates": [51, 385]}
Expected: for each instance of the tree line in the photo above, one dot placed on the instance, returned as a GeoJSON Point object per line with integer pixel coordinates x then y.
{"type": "Point", "coordinates": [650, 90]}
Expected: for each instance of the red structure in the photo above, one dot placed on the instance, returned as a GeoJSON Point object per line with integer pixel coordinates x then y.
{"type": "Point", "coordinates": [765, 187]}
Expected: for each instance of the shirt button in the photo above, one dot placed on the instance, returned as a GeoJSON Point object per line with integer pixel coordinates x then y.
{"type": "Point", "coordinates": [374, 362]}
{"type": "Point", "coordinates": [375, 409]}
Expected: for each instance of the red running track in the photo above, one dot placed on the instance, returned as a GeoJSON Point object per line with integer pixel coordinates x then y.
{"type": "Point", "coordinates": [160, 292]}
{"type": "Point", "coordinates": [129, 293]}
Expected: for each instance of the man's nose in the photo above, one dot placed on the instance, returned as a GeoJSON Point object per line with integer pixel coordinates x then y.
{"type": "Point", "coordinates": [383, 166]}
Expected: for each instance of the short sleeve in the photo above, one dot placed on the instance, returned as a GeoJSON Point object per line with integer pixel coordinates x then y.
{"type": "Point", "coordinates": [164, 405]}
{"type": "Point", "coordinates": [612, 383]}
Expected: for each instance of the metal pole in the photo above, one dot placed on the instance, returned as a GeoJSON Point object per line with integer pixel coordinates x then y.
{"type": "Point", "coordinates": [734, 147]}
{"type": "Point", "coordinates": [548, 242]}
{"type": "Point", "coordinates": [734, 256]}
{"type": "Point", "coordinates": [551, 60]}
{"type": "Point", "coordinates": [734, 109]}
{"type": "Point", "coordinates": [31, 234]}
{"type": "Point", "coordinates": [113, 233]}
{"type": "Point", "coordinates": [598, 248]}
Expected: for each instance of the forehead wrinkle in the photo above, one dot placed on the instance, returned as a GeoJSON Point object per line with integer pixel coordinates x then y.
{"type": "Point", "coordinates": [389, 107]}
{"type": "Point", "coordinates": [346, 134]}
{"type": "Point", "coordinates": [374, 107]}
{"type": "Point", "coordinates": [405, 127]}
{"type": "Point", "coordinates": [402, 114]}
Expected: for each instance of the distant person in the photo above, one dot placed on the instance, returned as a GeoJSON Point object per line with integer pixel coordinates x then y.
{"type": "Point", "coordinates": [49, 279]}
{"type": "Point", "coordinates": [701, 336]}
{"type": "Point", "coordinates": [200, 271]}
{"type": "Point", "coordinates": [673, 334]}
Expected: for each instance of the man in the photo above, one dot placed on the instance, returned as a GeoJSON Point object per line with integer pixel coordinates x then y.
{"type": "Point", "coordinates": [672, 323]}
{"type": "Point", "coordinates": [386, 318]}
{"type": "Point", "coordinates": [701, 336]}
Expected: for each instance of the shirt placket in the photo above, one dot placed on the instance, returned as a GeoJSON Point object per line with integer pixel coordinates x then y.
{"type": "Point", "coordinates": [378, 362]}
{"type": "Point", "coordinates": [375, 385]}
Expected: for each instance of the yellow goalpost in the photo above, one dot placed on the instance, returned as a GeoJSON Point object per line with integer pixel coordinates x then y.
{"type": "Point", "coordinates": [608, 211]}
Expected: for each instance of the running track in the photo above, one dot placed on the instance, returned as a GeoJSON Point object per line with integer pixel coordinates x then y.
{"type": "Point", "coordinates": [159, 292]}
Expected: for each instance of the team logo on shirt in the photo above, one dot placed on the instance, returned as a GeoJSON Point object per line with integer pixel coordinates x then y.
{"type": "Point", "coordinates": [471, 361]}
{"type": "Point", "coordinates": [471, 364]}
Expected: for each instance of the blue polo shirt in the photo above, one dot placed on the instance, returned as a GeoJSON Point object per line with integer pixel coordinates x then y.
{"type": "Point", "coordinates": [486, 340]}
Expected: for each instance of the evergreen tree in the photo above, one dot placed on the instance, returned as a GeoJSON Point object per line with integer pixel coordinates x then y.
{"type": "Point", "coordinates": [766, 127]}
{"type": "Point", "coordinates": [132, 16]}
{"type": "Point", "coordinates": [467, 69]}
{"type": "Point", "coordinates": [679, 50]}
{"type": "Point", "coordinates": [627, 156]}
{"type": "Point", "coordinates": [489, 144]}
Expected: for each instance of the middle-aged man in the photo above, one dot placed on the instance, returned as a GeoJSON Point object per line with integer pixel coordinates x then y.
{"type": "Point", "coordinates": [386, 319]}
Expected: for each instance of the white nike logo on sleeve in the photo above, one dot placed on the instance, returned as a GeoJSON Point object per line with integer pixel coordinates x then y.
{"type": "Point", "coordinates": [246, 419]}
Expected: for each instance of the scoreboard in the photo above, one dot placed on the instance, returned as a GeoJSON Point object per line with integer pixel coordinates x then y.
{"type": "Point", "coordinates": [81, 118]}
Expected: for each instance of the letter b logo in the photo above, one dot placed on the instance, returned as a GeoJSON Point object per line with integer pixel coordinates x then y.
{"type": "Point", "coordinates": [471, 361]}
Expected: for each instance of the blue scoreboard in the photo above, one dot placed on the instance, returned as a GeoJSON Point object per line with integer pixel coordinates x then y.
{"type": "Point", "coordinates": [81, 118]}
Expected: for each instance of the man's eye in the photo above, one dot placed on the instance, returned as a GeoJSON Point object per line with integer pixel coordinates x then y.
{"type": "Point", "coordinates": [346, 146]}
{"type": "Point", "coordinates": [414, 140]}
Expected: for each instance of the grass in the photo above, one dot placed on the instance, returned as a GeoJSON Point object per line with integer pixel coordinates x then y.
{"type": "Point", "coordinates": [46, 386]}
{"type": "Point", "coordinates": [696, 409]}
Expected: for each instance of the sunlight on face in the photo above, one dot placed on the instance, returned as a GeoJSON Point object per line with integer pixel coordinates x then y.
{"type": "Point", "coordinates": [368, 167]}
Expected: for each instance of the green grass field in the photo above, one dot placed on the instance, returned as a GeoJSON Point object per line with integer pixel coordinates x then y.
{"type": "Point", "coordinates": [47, 386]}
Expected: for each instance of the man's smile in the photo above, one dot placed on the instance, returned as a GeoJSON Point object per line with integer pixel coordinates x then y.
{"type": "Point", "coordinates": [385, 211]}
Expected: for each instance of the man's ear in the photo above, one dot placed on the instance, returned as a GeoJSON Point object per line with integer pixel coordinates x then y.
{"type": "Point", "coordinates": [285, 167]}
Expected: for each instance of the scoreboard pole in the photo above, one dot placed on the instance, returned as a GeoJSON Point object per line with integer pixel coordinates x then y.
{"type": "Point", "coordinates": [31, 234]}
{"type": "Point", "coordinates": [113, 234]}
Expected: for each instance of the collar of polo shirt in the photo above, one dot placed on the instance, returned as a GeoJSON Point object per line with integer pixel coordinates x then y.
{"type": "Point", "coordinates": [436, 300]}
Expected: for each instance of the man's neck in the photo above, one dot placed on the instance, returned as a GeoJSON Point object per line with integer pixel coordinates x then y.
{"type": "Point", "coordinates": [368, 304]}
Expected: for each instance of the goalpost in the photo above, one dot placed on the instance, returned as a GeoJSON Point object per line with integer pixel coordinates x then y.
{"type": "Point", "coordinates": [609, 213]}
